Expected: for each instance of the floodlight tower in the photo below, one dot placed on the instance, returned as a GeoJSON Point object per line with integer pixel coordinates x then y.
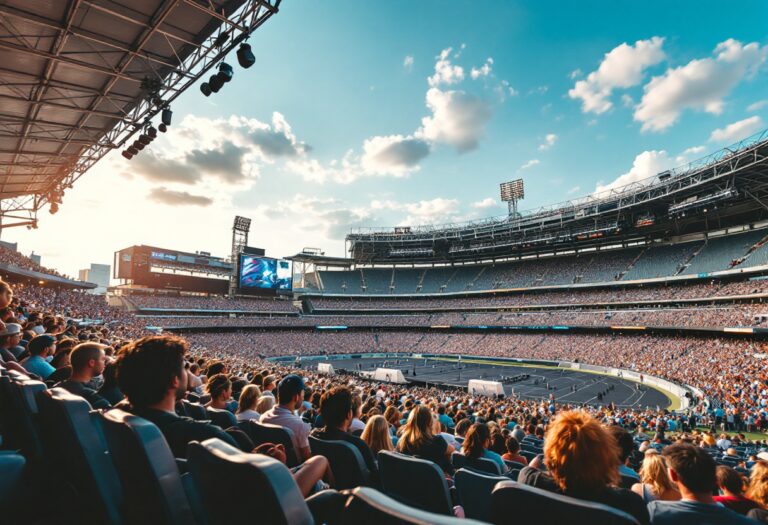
{"type": "Point", "coordinates": [240, 229]}
{"type": "Point", "coordinates": [511, 192]}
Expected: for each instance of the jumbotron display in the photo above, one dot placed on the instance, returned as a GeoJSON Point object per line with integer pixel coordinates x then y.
{"type": "Point", "coordinates": [264, 273]}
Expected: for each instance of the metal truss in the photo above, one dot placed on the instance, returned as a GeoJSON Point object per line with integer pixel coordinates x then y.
{"type": "Point", "coordinates": [193, 56]}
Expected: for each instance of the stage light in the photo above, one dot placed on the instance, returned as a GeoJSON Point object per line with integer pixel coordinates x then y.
{"type": "Point", "coordinates": [162, 127]}
{"type": "Point", "coordinates": [166, 116]}
{"type": "Point", "coordinates": [132, 150]}
{"type": "Point", "coordinates": [205, 89]}
{"type": "Point", "coordinates": [215, 82]}
{"type": "Point", "coordinates": [144, 139]}
{"type": "Point", "coordinates": [152, 132]}
{"type": "Point", "coordinates": [54, 208]}
{"type": "Point", "coordinates": [245, 56]}
{"type": "Point", "coordinates": [138, 145]}
{"type": "Point", "coordinates": [225, 72]}
{"type": "Point", "coordinates": [127, 154]}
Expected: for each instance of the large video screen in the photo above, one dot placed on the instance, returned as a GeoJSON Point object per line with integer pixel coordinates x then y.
{"type": "Point", "coordinates": [264, 273]}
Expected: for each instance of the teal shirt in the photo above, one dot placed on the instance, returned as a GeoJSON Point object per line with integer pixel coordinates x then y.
{"type": "Point", "coordinates": [39, 366]}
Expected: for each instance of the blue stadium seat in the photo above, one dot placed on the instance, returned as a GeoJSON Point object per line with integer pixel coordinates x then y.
{"type": "Point", "coordinates": [12, 465]}
{"type": "Point", "coordinates": [475, 492]}
{"type": "Point", "coordinates": [267, 433]}
{"type": "Point", "coordinates": [415, 482]}
{"type": "Point", "coordinates": [347, 464]}
{"type": "Point", "coordinates": [74, 445]}
{"type": "Point", "coordinates": [517, 504]}
{"type": "Point", "coordinates": [153, 487]}
{"type": "Point", "coordinates": [223, 419]}
{"type": "Point", "coordinates": [369, 506]}
{"type": "Point", "coordinates": [248, 488]}
{"type": "Point", "coordinates": [480, 464]}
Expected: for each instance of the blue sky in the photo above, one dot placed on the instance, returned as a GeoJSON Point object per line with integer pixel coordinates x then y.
{"type": "Point", "coordinates": [361, 113]}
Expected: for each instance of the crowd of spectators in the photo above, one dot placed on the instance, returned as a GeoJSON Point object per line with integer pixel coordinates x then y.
{"type": "Point", "coordinates": [582, 452]}
{"type": "Point", "coordinates": [213, 302]}
{"type": "Point", "coordinates": [17, 259]}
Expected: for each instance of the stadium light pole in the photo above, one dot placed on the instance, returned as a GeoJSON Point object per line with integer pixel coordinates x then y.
{"type": "Point", "coordinates": [512, 192]}
{"type": "Point", "coordinates": [240, 229]}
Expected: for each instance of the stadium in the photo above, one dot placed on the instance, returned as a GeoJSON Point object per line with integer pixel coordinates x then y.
{"type": "Point", "coordinates": [527, 368]}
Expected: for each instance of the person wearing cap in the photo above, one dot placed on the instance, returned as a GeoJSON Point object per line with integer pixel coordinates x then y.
{"type": "Point", "coordinates": [10, 350]}
{"type": "Point", "coordinates": [39, 349]}
{"type": "Point", "coordinates": [290, 397]}
{"type": "Point", "coordinates": [88, 361]}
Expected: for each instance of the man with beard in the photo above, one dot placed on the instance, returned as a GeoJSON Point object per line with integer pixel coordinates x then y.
{"type": "Point", "coordinates": [150, 372]}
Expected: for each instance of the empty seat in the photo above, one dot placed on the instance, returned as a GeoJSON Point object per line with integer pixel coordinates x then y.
{"type": "Point", "coordinates": [245, 488]}
{"type": "Point", "coordinates": [478, 464]}
{"type": "Point", "coordinates": [367, 505]}
{"type": "Point", "coordinates": [517, 504]}
{"type": "Point", "coordinates": [11, 471]}
{"type": "Point", "coordinates": [347, 464]}
{"type": "Point", "coordinates": [475, 492]}
{"type": "Point", "coordinates": [267, 433]}
{"type": "Point", "coordinates": [74, 445]}
{"type": "Point", "coordinates": [153, 488]}
{"type": "Point", "coordinates": [415, 482]}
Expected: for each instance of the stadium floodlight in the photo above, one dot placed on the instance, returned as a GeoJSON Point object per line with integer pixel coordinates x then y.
{"type": "Point", "coordinates": [132, 150]}
{"type": "Point", "coordinates": [205, 88]}
{"type": "Point", "coordinates": [144, 139]}
{"type": "Point", "coordinates": [127, 154]}
{"type": "Point", "coordinates": [242, 224]}
{"type": "Point", "coordinates": [512, 192]}
{"type": "Point", "coordinates": [152, 132]}
{"type": "Point", "coordinates": [166, 116]}
{"type": "Point", "coordinates": [245, 56]}
{"type": "Point", "coordinates": [162, 127]}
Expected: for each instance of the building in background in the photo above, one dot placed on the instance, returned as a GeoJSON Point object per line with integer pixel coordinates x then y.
{"type": "Point", "coordinates": [97, 274]}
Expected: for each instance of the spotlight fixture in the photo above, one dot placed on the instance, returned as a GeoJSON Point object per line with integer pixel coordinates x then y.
{"type": "Point", "coordinates": [205, 89]}
{"type": "Point", "coordinates": [225, 72]}
{"type": "Point", "coordinates": [54, 208]}
{"type": "Point", "coordinates": [245, 56]}
{"type": "Point", "coordinates": [138, 145]}
{"type": "Point", "coordinates": [152, 132]}
{"type": "Point", "coordinates": [221, 39]}
{"type": "Point", "coordinates": [144, 139]}
{"type": "Point", "coordinates": [166, 116]}
{"type": "Point", "coordinates": [133, 151]}
{"type": "Point", "coordinates": [162, 127]}
{"type": "Point", "coordinates": [215, 82]}
{"type": "Point", "coordinates": [127, 154]}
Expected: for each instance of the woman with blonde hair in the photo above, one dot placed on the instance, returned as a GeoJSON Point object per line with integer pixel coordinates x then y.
{"type": "Point", "coordinates": [376, 434]}
{"type": "Point", "coordinates": [654, 480]}
{"type": "Point", "coordinates": [582, 458]}
{"type": "Point", "coordinates": [758, 483]}
{"type": "Point", "coordinates": [246, 405]}
{"type": "Point", "coordinates": [418, 439]}
{"type": "Point", "coordinates": [265, 403]}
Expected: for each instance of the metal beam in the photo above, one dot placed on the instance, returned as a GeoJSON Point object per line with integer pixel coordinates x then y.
{"type": "Point", "coordinates": [56, 105]}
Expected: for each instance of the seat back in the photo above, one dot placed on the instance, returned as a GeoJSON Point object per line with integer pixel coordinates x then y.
{"type": "Point", "coordinates": [245, 488]}
{"type": "Point", "coordinates": [223, 419]}
{"type": "Point", "coordinates": [153, 489]}
{"type": "Point", "coordinates": [475, 492]}
{"type": "Point", "coordinates": [74, 444]}
{"type": "Point", "coordinates": [194, 410]}
{"type": "Point", "coordinates": [514, 465]}
{"type": "Point", "coordinates": [267, 433]}
{"type": "Point", "coordinates": [23, 393]}
{"type": "Point", "coordinates": [11, 473]}
{"type": "Point", "coordinates": [416, 482]}
{"type": "Point", "coordinates": [347, 464]}
{"type": "Point", "coordinates": [628, 481]}
{"type": "Point", "coordinates": [366, 505]}
{"type": "Point", "coordinates": [527, 454]}
{"type": "Point", "coordinates": [479, 464]}
{"type": "Point", "coordinates": [515, 503]}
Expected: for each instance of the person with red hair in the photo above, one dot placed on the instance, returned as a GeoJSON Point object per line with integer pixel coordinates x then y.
{"type": "Point", "coordinates": [582, 461]}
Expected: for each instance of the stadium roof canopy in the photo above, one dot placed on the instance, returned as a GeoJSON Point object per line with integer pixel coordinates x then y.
{"type": "Point", "coordinates": [79, 78]}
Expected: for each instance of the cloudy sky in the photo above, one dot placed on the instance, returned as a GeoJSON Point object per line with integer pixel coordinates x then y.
{"type": "Point", "coordinates": [361, 113]}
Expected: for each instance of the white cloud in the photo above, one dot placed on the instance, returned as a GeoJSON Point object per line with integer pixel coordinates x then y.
{"type": "Point", "coordinates": [645, 165]}
{"type": "Point", "coordinates": [458, 119]}
{"type": "Point", "coordinates": [178, 198]}
{"type": "Point", "coordinates": [445, 71]}
{"type": "Point", "coordinates": [531, 163]}
{"type": "Point", "coordinates": [483, 71]}
{"type": "Point", "coordinates": [695, 150]}
{"type": "Point", "coordinates": [408, 63]}
{"type": "Point", "coordinates": [574, 190]}
{"type": "Point", "coordinates": [576, 73]}
{"type": "Point", "coordinates": [437, 210]}
{"type": "Point", "coordinates": [487, 202]}
{"type": "Point", "coordinates": [701, 84]}
{"type": "Point", "coordinates": [393, 155]}
{"type": "Point", "coordinates": [627, 101]}
{"type": "Point", "coordinates": [760, 104]}
{"type": "Point", "coordinates": [737, 131]}
{"type": "Point", "coordinates": [622, 67]}
{"type": "Point", "coordinates": [549, 141]}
